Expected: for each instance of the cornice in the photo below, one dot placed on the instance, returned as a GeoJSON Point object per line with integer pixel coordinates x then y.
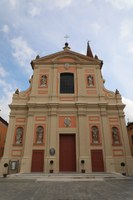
{"type": "Point", "coordinates": [17, 106]}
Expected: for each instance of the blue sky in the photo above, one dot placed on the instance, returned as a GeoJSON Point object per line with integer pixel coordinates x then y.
{"type": "Point", "coordinates": [31, 27]}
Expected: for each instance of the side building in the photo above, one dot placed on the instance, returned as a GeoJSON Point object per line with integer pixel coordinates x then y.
{"type": "Point", "coordinates": [3, 131]}
{"type": "Point", "coordinates": [130, 135]}
{"type": "Point", "coordinates": [66, 121]}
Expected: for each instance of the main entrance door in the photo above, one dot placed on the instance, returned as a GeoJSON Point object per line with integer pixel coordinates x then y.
{"type": "Point", "coordinates": [67, 153]}
{"type": "Point", "coordinates": [37, 161]}
{"type": "Point", "coordinates": [97, 161]}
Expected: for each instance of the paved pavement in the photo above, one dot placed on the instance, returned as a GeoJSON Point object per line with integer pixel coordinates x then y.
{"type": "Point", "coordinates": [40, 188]}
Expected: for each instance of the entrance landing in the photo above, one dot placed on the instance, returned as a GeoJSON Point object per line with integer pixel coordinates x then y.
{"type": "Point", "coordinates": [67, 177]}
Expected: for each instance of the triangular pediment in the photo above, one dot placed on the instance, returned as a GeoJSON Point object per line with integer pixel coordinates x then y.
{"type": "Point", "coordinates": [67, 56]}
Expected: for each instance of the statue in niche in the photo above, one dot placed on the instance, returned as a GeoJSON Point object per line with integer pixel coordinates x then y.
{"type": "Point", "coordinates": [39, 134]}
{"type": "Point", "coordinates": [115, 135]}
{"type": "Point", "coordinates": [19, 135]}
{"type": "Point", "coordinates": [90, 80]}
{"type": "Point", "coordinates": [67, 122]}
{"type": "Point", "coordinates": [95, 135]}
{"type": "Point", "coordinates": [44, 81]}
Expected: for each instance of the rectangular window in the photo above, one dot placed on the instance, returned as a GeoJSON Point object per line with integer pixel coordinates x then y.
{"type": "Point", "coordinates": [67, 83]}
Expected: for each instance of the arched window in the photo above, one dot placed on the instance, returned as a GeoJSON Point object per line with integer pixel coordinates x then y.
{"type": "Point", "coordinates": [19, 135]}
{"type": "Point", "coordinates": [66, 83]}
{"type": "Point", "coordinates": [115, 135]}
{"type": "Point", "coordinates": [39, 135]}
{"type": "Point", "coordinates": [95, 134]}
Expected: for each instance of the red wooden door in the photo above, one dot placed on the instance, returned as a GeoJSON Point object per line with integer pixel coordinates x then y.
{"type": "Point", "coordinates": [37, 161]}
{"type": "Point", "coordinates": [67, 153]}
{"type": "Point", "coordinates": [97, 161]}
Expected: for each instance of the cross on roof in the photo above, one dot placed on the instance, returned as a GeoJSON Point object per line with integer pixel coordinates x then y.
{"type": "Point", "coordinates": [66, 37]}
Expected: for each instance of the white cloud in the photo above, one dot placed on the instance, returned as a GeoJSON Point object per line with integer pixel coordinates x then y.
{"type": "Point", "coordinates": [89, 1]}
{"type": "Point", "coordinates": [6, 95]}
{"type": "Point", "coordinates": [128, 109]}
{"type": "Point", "coordinates": [23, 53]}
{"type": "Point", "coordinates": [126, 34]}
{"type": "Point", "coordinates": [62, 3]}
{"type": "Point", "coordinates": [130, 47]}
{"type": "Point", "coordinates": [5, 28]}
{"type": "Point", "coordinates": [3, 73]}
{"type": "Point", "coordinates": [13, 3]}
{"type": "Point", "coordinates": [52, 3]}
{"type": "Point", "coordinates": [96, 28]}
{"type": "Point", "coordinates": [4, 85]}
{"type": "Point", "coordinates": [125, 29]}
{"type": "Point", "coordinates": [5, 100]}
{"type": "Point", "coordinates": [121, 4]}
{"type": "Point", "coordinates": [34, 11]}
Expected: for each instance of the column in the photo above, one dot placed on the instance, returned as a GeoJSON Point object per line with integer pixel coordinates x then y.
{"type": "Point", "coordinates": [83, 141]}
{"type": "Point", "coordinates": [27, 154]}
{"type": "Point", "coordinates": [99, 81]}
{"type": "Point", "coordinates": [52, 140]}
{"type": "Point", "coordinates": [54, 84]}
{"type": "Point", "coordinates": [125, 142]}
{"type": "Point", "coordinates": [107, 142]}
{"type": "Point", "coordinates": [80, 83]}
{"type": "Point", "coordinates": [34, 82]}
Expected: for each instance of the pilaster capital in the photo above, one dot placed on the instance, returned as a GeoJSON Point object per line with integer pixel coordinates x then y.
{"type": "Point", "coordinates": [54, 66]}
{"type": "Point", "coordinates": [103, 113]}
{"type": "Point", "coordinates": [78, 66]}
{"type": "Point", "coordinates": [82, 113]}
{"type": "Point", "coordinates": [30, 114]}
{"type": "Point", "coordinates": [52, 113]}
{"type": "Point", "coordinates": [12, 115]}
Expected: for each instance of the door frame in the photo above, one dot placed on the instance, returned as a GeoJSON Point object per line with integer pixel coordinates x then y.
{"type": "Point", "coordinates": [103, 163]}
{"type": "Point", "coordinates": [38, 150]}
{"type": "Point", "coordinates": [75, 136]}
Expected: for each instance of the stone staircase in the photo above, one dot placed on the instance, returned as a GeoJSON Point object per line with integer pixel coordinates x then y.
{"type": "Point", "coordinates": [66, 176]}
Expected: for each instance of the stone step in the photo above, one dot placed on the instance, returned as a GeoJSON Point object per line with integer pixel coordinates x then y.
{"type": "Point", "coordinates": [66, 176]}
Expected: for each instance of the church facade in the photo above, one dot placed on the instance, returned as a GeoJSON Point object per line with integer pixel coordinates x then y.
{"type": "Point", "coordinates": [66, 121]}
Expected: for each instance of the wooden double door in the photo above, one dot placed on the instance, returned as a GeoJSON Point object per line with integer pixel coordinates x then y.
{"type": "Point", "coordinates": [67, 153]}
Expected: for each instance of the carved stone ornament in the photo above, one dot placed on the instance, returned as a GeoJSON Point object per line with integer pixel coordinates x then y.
{"type": "Point", "coordinates": [67, 122]}
{"type": "Point", "coordinates": [17, 91]}
{"type": "Point", "coordinates": [52, 151]}
{"type": "Point", "coordinates": [66, 65]}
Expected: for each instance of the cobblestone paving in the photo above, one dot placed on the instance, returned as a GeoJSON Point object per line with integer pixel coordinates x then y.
{"type": "Point", "coordinates": [80, 190]}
